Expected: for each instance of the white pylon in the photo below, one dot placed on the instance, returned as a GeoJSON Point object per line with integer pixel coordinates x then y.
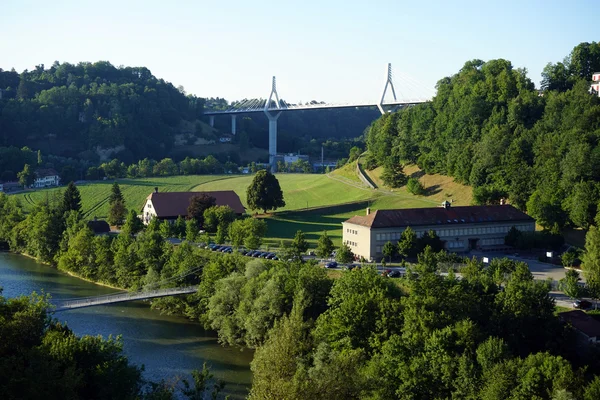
{"type": "Point", "coordinates": [272, 125]}
{"type": "Point", "coordinates": [389, 82]}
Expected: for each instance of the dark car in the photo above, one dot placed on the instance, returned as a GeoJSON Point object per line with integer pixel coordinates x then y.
{"type": "Point", "coordinates": [394, 274]}
{"type": "Point", "coordinates": [331, 264]}
{"type": "Point", "coordinates": [582, 304]}
{"type": "Point", "coordinates": [216, 248]}
{"type": "Point", "coordinates": [270, 256]}
{"type": "Point", "coordinates": [256, 254]}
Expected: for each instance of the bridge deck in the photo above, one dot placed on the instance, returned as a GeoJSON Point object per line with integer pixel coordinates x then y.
{"type": "Point", "coordinates": [120, 298]}
{"type": "Point", "coordinates": [309, 107]}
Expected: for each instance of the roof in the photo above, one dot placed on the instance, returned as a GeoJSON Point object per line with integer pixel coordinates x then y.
{"type": "Point", "coordinates": [41, 172]}
{"type": "Point", "coordinates": [440, 216]}
{"type": "Point", "coordinates": [174, 204]}
{"type": "Point", "coordinates": [99, 226]}
{"type": "Point", "coordinates": [582, 322]}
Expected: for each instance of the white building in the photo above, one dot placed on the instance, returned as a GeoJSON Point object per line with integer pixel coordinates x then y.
{"type": "Point", "coordinates": [461, 228]}
{"type": "Point", "coordinates": [595, 86]}
{"type": "Point", "coordinates": [45, 178]}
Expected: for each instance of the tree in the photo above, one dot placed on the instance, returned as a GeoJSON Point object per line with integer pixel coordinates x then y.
{"type": "Point", "coordinates": [415, 187]}
{"type": "Point", "coordinates": [299, 245]}
{"type": "Point", "coordinates": [27, 176]}
{"type": "Point", "coordinates": [71, 199]}
{"type": "Point", "coordinates": [117, 213]}
{"type": "Point", "coordinates": [393, 175]}
{"type": "Point", "coordinates": [255, 231]}
{"type": "Point", "coordinates": [264, 193]}
{"type": "Point", "coordinates": [199, 204]}
{"type": "Point", "coordinates": [218, 216]}
{"type": "Point", "coordinates": [115, 194]}
{"type": "Point", "coordinates": [389, 250]}
{"type": "Point", "coordinates": [344, 254]}
{"type": "Point", "coordinates": [570, 284]}
{"type": "Point", "coordinates": [132, 224]}
{"type": "Point", "coordinates": [179, 228]}
{"type": "Point", "coordinates": [354, 154]}
{"type": "Point", "coordinates": [408, 242]}
{"type": "Point", "coordinates": [191, 230]}
{"type": "Point", "coordinates": [324, 246]}
{"type": "Point", "coordinates": [591, 262]}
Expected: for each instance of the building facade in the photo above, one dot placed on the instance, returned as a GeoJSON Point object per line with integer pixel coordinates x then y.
{"type": "Point", "coordinates": [595, 85]}
{"type": "Point", "coordinates": [45, 178]}
{"type": "Point", "coordinates": [461, 228]}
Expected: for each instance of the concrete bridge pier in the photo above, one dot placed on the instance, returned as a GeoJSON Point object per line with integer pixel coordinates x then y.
{"type": "Point", "coordinates": [211, 120]}
{"type": "Point", "coordinates": [233, 122]}
{"type": "Point", "coordinates": [272, 138]}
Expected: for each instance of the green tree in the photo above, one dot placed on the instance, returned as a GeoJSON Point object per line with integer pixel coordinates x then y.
{"type": "Point", "coordinates": [191, 230]}
{"type": "Point", "coordinates": [218, 216]}
{"type": "Point", "coordinates": [389, 250]}
{"type": "Point", "coordinates": [255, 231]}
{"type": "Point", "coordinates": [299, 245]}
{"type": "Point", "coordinates": [132, 223]}
{"type": "Point", "coordinates": [591, 262]}
{"type": "Point", "coordinates": [199, 204]}
{"type": "Point", "coordinates": [324, 246]}
{"type": "Point", "coordinates": [26, 176]}
{"type": "Point", "coordinates": [570, 284]}
{"type": "Point", "coordinates": [115, 194]}
{"type": "Point", "coordinates": [117, 213]}
{"type": "Point", "coordinates": [407, 243]}
{"type": "Point", "coordinates": [166, 229]}
{"type": "Point", "coordinates": [415, 187]}
{"type": "Point", "coordinates": [264, 193]}
{"type": "Point", "coordinates": [393, 175]}
{"type": "Point", "coordinates": [71, 199]}
{"type": "Point", "coordinates": [344, 254]}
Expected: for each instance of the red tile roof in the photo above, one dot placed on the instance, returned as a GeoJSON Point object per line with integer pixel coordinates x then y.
{"type": "Point", "coordinates": [174, 204]}
{"type": "Point", "coordinates": [440, 216]}
{"type": "Point", "coordinates": [582, 322]}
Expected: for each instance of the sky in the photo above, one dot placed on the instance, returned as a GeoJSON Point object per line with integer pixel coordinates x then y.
{"type": "Point", "coordinates": [334, 51]}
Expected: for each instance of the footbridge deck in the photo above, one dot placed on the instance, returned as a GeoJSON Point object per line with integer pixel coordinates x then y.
{"type": "Point", "coordinates": [70, 304]}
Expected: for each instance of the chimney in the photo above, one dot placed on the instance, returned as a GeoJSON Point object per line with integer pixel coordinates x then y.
{"type": "Point", "coordinates": [156, 189]}
{"type": "Point", "coordinates": [368, 210]}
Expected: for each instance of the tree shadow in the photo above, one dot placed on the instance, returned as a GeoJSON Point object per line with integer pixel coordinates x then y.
{"type": "Point", "coordinates": [431, 190]}
{"type": "Point", "coordinates": [417, 174]}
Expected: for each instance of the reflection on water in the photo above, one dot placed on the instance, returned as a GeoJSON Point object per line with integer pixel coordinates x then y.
{"type": "Point", "coordinates": [167, 346]}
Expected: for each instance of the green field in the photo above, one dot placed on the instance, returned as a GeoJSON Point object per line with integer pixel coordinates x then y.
{"type": "Point", "coordinates": [94, 196]}
{"type": "Point", "coordinates": [302, 192]}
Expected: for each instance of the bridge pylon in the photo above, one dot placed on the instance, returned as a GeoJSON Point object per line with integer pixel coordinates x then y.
{"type": "Point", "coordinates": [389, 82]}
{"type": "Point", "coordinates": [272, 124]}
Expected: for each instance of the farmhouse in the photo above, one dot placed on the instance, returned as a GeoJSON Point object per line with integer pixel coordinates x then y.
{"type": "Point", "coordinates": [171, 205]}
{"type": "Point", "coordinates": [46, 177]}
{"type": "Point", "coordinates": [461, 228]}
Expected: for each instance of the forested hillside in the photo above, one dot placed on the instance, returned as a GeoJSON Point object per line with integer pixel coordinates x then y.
{"type": "Point", "coordinates": [72, 110]}
{"type": "Point", "coordinates": [490, 128]}
{"type": "Point", "coordinates": [95, 111]}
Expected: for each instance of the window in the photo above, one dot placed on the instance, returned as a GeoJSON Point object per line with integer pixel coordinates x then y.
{"type": "Point", "coordinates": [378, 249]}
{"type": "Point", "coordinates": [378, 236]}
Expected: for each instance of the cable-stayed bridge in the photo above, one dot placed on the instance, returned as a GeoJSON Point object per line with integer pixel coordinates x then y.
{"type": "Point", "coordinates": [273, 107]}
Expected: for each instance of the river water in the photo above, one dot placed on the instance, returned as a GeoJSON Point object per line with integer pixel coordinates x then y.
{"type": "Point", "coordinates": [167, 346]}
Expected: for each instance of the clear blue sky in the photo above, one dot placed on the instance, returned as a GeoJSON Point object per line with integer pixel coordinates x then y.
{"type": "Point", "coordinates": [325, 50]}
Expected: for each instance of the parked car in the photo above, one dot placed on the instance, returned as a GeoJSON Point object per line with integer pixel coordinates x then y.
{"type": "Point", "coordinates": [256, 254]}
{"type": "Point", "coordinates": [331, 264]}
{"type": "Point", "coordinates": [582, 304]}
{"type": "Point", "coordinates": [394, 274]}
{"type": "Point", "coordinates": [270, 256]}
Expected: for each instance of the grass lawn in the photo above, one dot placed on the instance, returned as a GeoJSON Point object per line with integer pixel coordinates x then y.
{"type": "Point", "coordinates": [348, 172]}
{"type": "Point", "coordinates": [300, 191]}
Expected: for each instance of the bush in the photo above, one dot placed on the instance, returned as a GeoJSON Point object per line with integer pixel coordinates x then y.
{"type": "Point", "coordinates": [415, 187]}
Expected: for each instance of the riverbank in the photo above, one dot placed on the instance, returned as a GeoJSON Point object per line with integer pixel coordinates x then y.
{"type": "Point", "coordinates": [168, 346]}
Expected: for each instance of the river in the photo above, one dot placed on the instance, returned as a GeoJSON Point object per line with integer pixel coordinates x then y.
{"type": "Point", "coordinates": [167, 346]}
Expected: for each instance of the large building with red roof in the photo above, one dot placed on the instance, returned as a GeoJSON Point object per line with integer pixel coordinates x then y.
{"type": "Point", "coordinates": [461, 228]}
{"type": "Point", "coordinates": [171, 205]}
